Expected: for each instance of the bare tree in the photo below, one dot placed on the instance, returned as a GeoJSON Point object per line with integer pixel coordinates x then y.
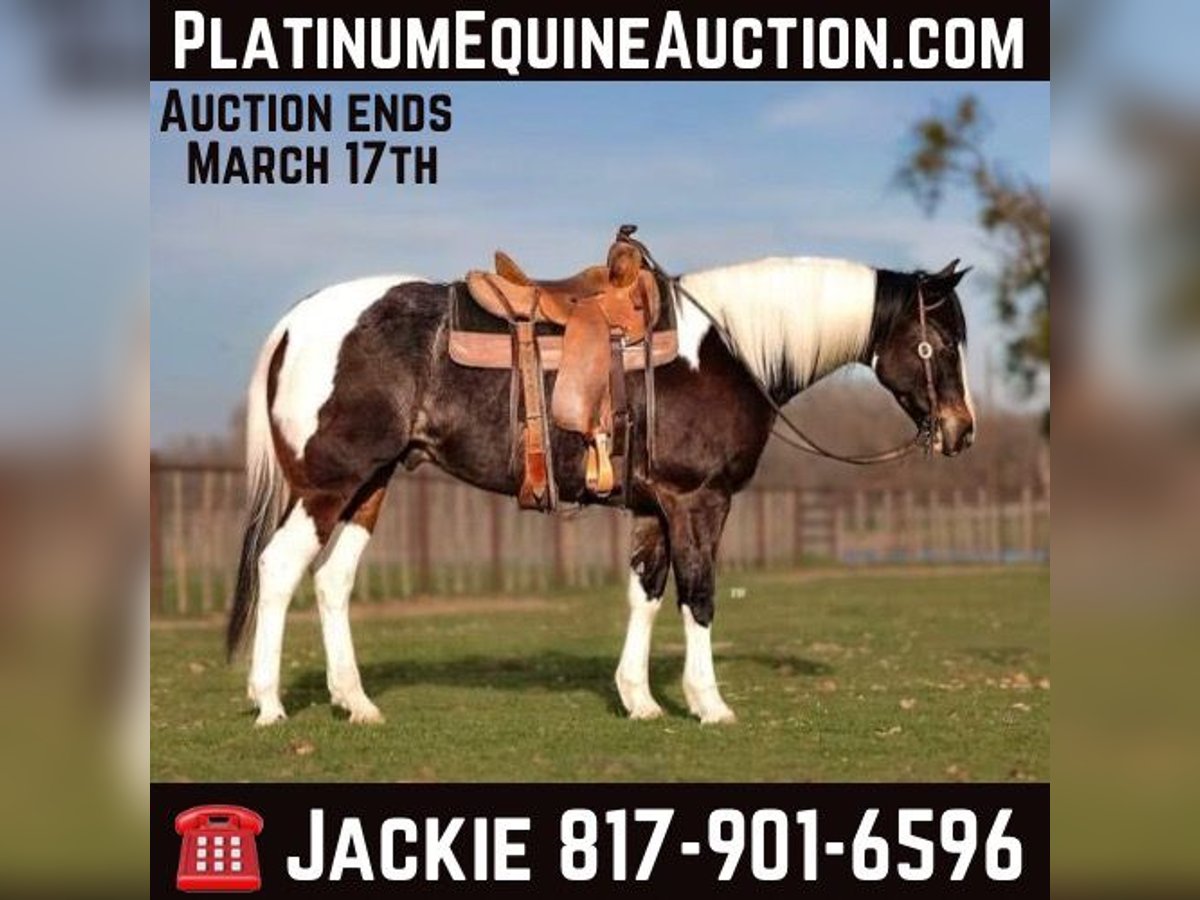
{"type": "Point", "coordinates": [947, 152]}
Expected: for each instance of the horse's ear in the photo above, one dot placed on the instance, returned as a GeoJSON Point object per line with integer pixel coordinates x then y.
{"type": "Point", "coordinates": [948, 278]}
{"type": "Point", "coordinates": [955, 277]}
{"type": "Point", "coordinates": [946, 272]}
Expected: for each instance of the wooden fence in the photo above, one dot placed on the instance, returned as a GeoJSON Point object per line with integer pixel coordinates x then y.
{"type": "Point", "coordinates": [439, 536]}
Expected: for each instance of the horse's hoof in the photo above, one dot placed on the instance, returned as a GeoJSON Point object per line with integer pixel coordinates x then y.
{"type": "Point", "coordinates": [721, 716]}
{"type": "Point", "coordinates": [636, 698]}
{"type": "Point", "coordinates": [366, 715]}
{"type": "Point", "coordinates": [268, 717]}
{"type": "Point", "coordinates": [645, 711]}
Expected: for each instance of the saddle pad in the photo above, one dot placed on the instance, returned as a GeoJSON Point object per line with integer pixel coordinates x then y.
{"type": "Point", "coordinates": [481, 340]}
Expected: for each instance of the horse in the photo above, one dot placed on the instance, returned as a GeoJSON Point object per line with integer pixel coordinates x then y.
{"type": "Point", "coordinates": [355, 381]}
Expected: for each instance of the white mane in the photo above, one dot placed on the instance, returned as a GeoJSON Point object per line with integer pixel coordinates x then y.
{"type": "Point", "coordinates": [799, 316]}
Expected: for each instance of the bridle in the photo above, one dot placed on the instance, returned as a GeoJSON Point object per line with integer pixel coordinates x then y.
{"type": "Point", "coordinates": [923, 439]}
{"type": "Point", "coordinates": [925, 353]}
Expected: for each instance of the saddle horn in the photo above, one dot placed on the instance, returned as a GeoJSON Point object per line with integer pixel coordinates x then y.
{"type": "Point", "coordinates": [624, 264]}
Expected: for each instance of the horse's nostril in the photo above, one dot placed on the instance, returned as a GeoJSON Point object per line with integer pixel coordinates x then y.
{"type": "Point", "coordinates": [957, 435]}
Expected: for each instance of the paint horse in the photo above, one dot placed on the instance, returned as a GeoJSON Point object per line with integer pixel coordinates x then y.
{"type": "Point", "coordinates": [356, 381]}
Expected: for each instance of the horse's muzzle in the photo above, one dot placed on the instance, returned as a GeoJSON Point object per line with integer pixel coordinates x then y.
{"type": "Point", "coordinates": [957, 433]}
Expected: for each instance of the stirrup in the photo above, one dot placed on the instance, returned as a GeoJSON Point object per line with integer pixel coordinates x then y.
{"type": "Point", "coordinates": [599, 478]}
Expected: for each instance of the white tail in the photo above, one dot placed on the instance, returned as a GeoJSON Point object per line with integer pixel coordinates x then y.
{"type": "Point", "coordinates": [264, 478]}
{"type": "Point", "coordinates": [266, 491]}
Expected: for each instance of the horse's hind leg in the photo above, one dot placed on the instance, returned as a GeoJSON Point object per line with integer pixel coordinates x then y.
{"type": "Point", "coordinates": [650, 563]}
{"type": "Point", "coordinates": [280, 568]}
{"type": "Point", "coordinates": [334, 581]}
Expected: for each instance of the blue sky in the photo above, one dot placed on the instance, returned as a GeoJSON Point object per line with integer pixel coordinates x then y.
{"type": "Point", "coordinates": [73, 239]}
{"type": "Point", "coordinates": [713, 174]}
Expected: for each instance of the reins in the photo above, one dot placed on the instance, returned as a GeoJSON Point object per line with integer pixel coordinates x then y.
{"type": "Point", "coordinates": [801, 441]}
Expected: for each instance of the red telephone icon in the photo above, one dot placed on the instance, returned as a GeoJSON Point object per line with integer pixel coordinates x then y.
{"type": "Point", "coordinates": [218, 852]}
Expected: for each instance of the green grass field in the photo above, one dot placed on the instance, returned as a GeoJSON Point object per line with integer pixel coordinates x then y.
{"type": "Point", "coordinates": [921, 675]}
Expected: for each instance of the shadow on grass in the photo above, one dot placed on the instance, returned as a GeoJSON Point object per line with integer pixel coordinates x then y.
{"type": "Point", "coordinates": [545, 671]}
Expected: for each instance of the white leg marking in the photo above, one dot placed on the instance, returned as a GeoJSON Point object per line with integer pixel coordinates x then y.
{"type": "Point", "coordinates": [334, 581]}
{"type": "Point", "coordinates": [280, 568]}
{"type": "Point", "coordinates": [633, 672]}
{"type": "Point", "coordinates": [699, 677]}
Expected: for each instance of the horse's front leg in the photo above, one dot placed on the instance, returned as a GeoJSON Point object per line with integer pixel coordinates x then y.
{"type": "Point", "coordinates": [649, 563]}
{"type": "Point", "coordinates": [696, 521]}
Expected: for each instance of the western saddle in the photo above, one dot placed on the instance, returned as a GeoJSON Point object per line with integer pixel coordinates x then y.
{"type": "Point", "coordinates": [606, 314]}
